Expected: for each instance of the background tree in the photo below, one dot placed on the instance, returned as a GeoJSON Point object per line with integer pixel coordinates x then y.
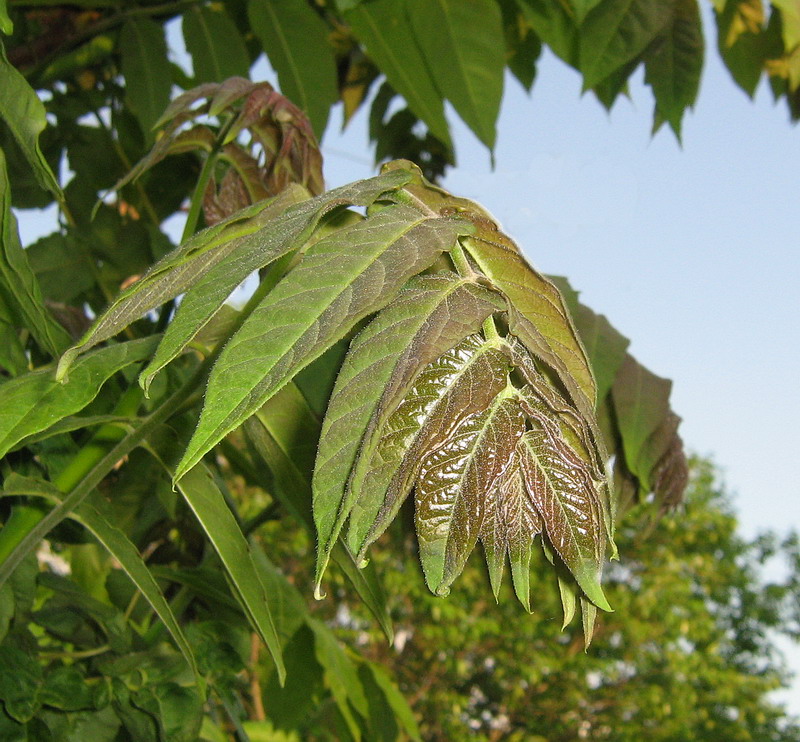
{"type": "Point", "coordinates": [130, 643]}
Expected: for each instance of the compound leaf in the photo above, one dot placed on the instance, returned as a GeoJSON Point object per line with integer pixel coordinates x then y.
{"type": "Point", "coordinates": [432, 314]}
{"type": "Point", "coordinates": [341, 279]}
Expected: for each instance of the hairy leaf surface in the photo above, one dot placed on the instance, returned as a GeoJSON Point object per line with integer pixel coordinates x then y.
{"type": "Point", "coordinates": [564, 493]}
{"type": "Point", "coordinates": [462, 381]}
{"type": "Point", "coordinates": [431, 314]}
{"type": "Point", "coordinates": [239, 234]}
{"type": "Point", "coordinates": [454, 477]}
{"type": "Point", "coordinates": [538, 315]}
{"type": "Point", "coordinates": [341, 279]}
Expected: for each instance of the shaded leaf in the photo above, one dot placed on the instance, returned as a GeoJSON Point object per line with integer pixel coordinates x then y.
{"type": "Point", "coordinates": [390, 41]}
{"type": "Point", "coordinates": [674, 65]}
{"type": "Point", "coordinates": [554, 26]}
{"type": "Point", "coordinates": [148, 80]}
{"type": "Point", "coordinates": [34, 401]}
{"type": "Point", "coordinates": [403, 715]}
{"type": "Point", "coordinates": [208, 504]}
{"type": "Point", "coordinates": [284, 434]}
{"type": "Point", "coordinates": [341, 279]}
{"type": "Point", "coordinates": [24, 114]}
{"type": "Point", "coordinates": [429, 316]}
{"type": "Point", "coordinates": [641, 403]}
{"type": "Point", "coordinates": [19, 290]}
{"type": "Point", "coordinates": [296, 41]}
{"type": "Point", "coordinates": [214, 43]}
{"type": "Point", "coordinates": [118, 545]}
{"type": "Point", "coordinates": [523, 46]}
{"type": "Point", "coordinates": [741, 40]}
{"type": "Point", "coordinates": [340, 675]}
{"type": "Point", "coordinates": [616, 32]}
{"type": "Point", "coordinates": [605, 346]}
{"type": "Point", "coordinates": [6, 26]}
{"type": "Point", "coordinates": [469, 34]}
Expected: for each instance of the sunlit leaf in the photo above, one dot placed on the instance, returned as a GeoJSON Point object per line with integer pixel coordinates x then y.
{"type": "Point", "coordinates": [462, 381]}
{"type": "Point", "coordinates": [431, 315]}
{"type": "Point", "coordinates": [34, 401]}
{"type": "Point", "coordinates": [341, 279]}
{"type": "Point", "coordinates": [742, 41]}
{"type": "Point", "coordinates": [239, 235]}
{"type": "Point", "coordinates": [565, 494]}
{"type": "Point", "coordinates": [469, 34]}
{"type": "Point", "coordinates": [450, 493]}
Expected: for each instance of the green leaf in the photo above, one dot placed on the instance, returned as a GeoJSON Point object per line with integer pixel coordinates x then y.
{"type": "Point", "coordinates": [118, 545]}
{"type": "Point", "coordinates": [20, 680]}
{"type": "Point", "coordinates": [187, 264]}
{"type": "Point", "coordinates": [790, 22]}
{"type": "Point", "coordinates": [6, 26]}
{"type": "Point", "coordinates": [208, 504]}
{"type": "Point", "coordinates": [24, 114]}
{"type": "Point", "coordinates": [742, 41]}
{"type": "Point", "coordinates": [403, 715]}
{"type": "Point", "coordinates": [19, 290]}
{"type": "Point", "coordinates": [462, 381]}
{"type": "Point", "coordinates": [469, 35]}
{"type": "Point", "coordinates": [641, 402]}
{"type": "Point", "coordinates": [565, 495]}
{"type": "Point", "coordinates": [538, 315]}
{"type": "Point", "coordinates": [451, 489]}
{"type": "Point", "coordinates": [390, 41]}
{"type": "Point", "coordinates": [177, 709]}
{"type": "Point", "coordinates": [604, 345]}
{"type": "Point", "coordinates": [432, 314]}
{"type": "Point", "coordinates": [554, 26]}
{"type": "Point", "coordinates": [674, 66]}
{"type": "Point", "coordinates": [214, 43]}
{"type": "Point", "coordinates": [341, 279]}
{"type": "Point", "coordinates": [148, 81]}
{"type": "Point", "coordinates": [511, 522]}
{"type": "Point", "coordinates": [341, 676]}
{"type": "Point", "coordinates": [284, 433]}
{"type": "Point", "coordinates": [33, 402]}
{"type": "Point", "coordinates": [295, 39]}
{"type": "Point", "coordinates": [523, 46]}
{"type": "Point", "coordinates": [294, 217]}
{"type": "Point", "coordinates": [582, 7]}
{"type": "Point", "coordinates": [616, 32]}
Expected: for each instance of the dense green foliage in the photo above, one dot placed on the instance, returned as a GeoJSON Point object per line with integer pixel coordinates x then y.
{"type": "Point", "coordinates": [169, 461]}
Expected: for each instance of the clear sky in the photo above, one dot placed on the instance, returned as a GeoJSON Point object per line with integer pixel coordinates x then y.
{"type": "Point", "coordinates": [692, 252]}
